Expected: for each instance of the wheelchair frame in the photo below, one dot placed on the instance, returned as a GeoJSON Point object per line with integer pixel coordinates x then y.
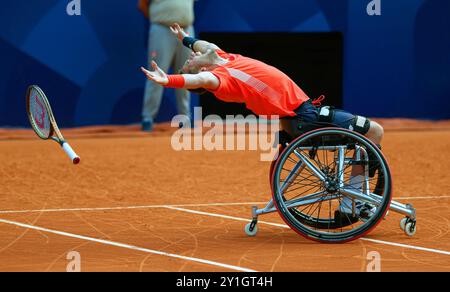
{"type": "Point", "coordinates": [408, 224]}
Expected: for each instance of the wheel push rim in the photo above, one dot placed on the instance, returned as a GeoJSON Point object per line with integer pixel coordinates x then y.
{"type": "Point", "coordinates": [301, 219]}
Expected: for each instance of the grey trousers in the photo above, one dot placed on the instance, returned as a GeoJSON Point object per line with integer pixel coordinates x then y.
{"type": "Point", "coordinates": [167, 51]}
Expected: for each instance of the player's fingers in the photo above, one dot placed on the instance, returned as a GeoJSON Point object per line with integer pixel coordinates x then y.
{"type": "Point", "coordinates": [148, 73]}
{"type": "Point", "coordinates": [144, 70]}
{"type": "Point", "coordinates": [159, 70]}
{"type": "Point", "coordinates": [155, 66]}
{"type": "Point", "coordinates": [150, 77]}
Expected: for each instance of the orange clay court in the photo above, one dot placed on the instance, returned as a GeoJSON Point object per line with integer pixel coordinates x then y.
{"type": "Point", "coordinates": [134, 204]}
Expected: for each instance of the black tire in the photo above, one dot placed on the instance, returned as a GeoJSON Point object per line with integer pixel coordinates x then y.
{"type": "Point", "coordinates": [336, 227]}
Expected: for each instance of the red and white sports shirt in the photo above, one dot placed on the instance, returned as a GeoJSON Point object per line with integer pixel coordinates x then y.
{"type": "Point", "coordinates": [264, 89]}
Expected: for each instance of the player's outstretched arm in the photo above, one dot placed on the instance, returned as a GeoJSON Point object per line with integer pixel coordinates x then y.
{"type": "Point", "coordinates": [157, 75]}
{"type": "Point", "coordinates": [205, 80]}
{"type": "Point", "coordinates": [192, 43]}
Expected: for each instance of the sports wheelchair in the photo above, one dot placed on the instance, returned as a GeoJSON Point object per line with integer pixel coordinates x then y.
{"type": "Point", "coordinates": [314, 190]}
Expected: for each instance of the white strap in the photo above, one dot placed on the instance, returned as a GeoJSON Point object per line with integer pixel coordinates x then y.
{"type": "Point", "coordinates": [325, 111]}
{"type": "Point", "coordinates": [360, 121]}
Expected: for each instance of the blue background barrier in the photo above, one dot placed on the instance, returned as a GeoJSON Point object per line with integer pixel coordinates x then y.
{"type": "Point", "coordinates": [395, 65]}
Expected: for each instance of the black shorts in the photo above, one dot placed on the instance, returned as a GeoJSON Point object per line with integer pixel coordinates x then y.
{"type": "Point", "coordinates": [308, 118]}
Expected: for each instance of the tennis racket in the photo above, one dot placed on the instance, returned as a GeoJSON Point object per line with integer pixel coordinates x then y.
{"type": "Point", "coordinates": [43, 122]}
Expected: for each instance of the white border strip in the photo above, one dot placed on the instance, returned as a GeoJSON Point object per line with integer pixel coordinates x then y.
{"type": "Point", "coordinates": [177, 205]}
{"type": "Point", "coordinates": [407, 246]}
{"type": "Point", "coordinates": [224, 216]}
{"type": "Point", "coordinates": [285, 226]}
{"type": "Point", "coordinates": [127, 246]}
{"type": "Point", "coordinates": [423, 197]}
{"type": "Point", "coordinates": [127, 207]}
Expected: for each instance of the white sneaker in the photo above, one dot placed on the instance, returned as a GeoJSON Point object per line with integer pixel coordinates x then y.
{"type": "Point", "coordinates": [363, 210]}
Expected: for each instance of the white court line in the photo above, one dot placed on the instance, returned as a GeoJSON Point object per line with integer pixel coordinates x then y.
{"type": "Point", "coordinates": [127, 207]}
{"type": "Point", "coordinates": [407, 246]}
{"type": "Point", "coordinates": [180, 205]}
{"type": "Point", "coordinates": [285, 226]}
{"type": "Point", "coordinates": [423, 197]}
{"type": "Point", "coordinates": [127, 246]}
{"type": "Point", "coordinates": [177, 207]}
{"type": "Point", "coordinates": [224, 216]}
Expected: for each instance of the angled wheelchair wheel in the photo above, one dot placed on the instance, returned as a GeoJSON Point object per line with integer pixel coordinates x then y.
{"type": "Point", "coordinates": [331, 185]}
{"type": "Point", "coordinates": [337, 221]}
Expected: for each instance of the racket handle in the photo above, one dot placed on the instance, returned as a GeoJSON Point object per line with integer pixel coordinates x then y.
{"type": "Point", "coordinates": [73, 156]}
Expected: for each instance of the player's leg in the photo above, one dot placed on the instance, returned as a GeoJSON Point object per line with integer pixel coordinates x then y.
{"type": "Point", "coordinates": [183, 96]}
{"type": "Point", "coordinates": [307, 114]}
{"type": "Point", "coordinates": [162, 47]}
{"type": "Point", "coordinates": [375, 132]}
{"type": "Point", "coordinates": [372, 131]}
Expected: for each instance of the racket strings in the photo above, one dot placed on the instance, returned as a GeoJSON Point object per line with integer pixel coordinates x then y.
{"type": "Point", "coordinates": [39, 114]}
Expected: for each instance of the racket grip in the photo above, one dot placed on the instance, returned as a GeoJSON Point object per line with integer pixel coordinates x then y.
{"type": "Point", "coordinates": [73, 156]}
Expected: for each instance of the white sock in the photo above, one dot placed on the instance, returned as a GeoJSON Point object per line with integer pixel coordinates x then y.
{"type": "Point", "coordinates": [356, 183]}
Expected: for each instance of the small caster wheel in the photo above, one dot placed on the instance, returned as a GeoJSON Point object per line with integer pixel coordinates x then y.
{"type": "Point", "coordinates": [403, 223]}
{"type": "Point", "coordinates": [251, 229]}
{"type": "Point", "coordinates": [410, 228]}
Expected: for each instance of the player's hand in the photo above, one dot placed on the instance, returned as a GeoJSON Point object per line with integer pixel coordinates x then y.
{"type": "Point", "coordinates": [157, 76]}
{"type": "Point", "coordinates": [178, 31]}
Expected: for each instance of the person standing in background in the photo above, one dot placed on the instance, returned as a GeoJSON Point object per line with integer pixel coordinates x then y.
{"type": "Point", "coordinates": [166, 51]}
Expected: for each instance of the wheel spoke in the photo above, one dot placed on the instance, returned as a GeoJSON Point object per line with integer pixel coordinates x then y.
{"type": "Point", "coordinates": [329, 159]}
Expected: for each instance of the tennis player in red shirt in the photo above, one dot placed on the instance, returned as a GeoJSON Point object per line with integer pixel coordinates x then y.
{"type": "Point", "coordinates": [265, 90]}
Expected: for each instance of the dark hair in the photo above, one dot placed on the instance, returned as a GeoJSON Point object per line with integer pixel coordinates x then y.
{"type": "Point", "coordinates": [199, 91]}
